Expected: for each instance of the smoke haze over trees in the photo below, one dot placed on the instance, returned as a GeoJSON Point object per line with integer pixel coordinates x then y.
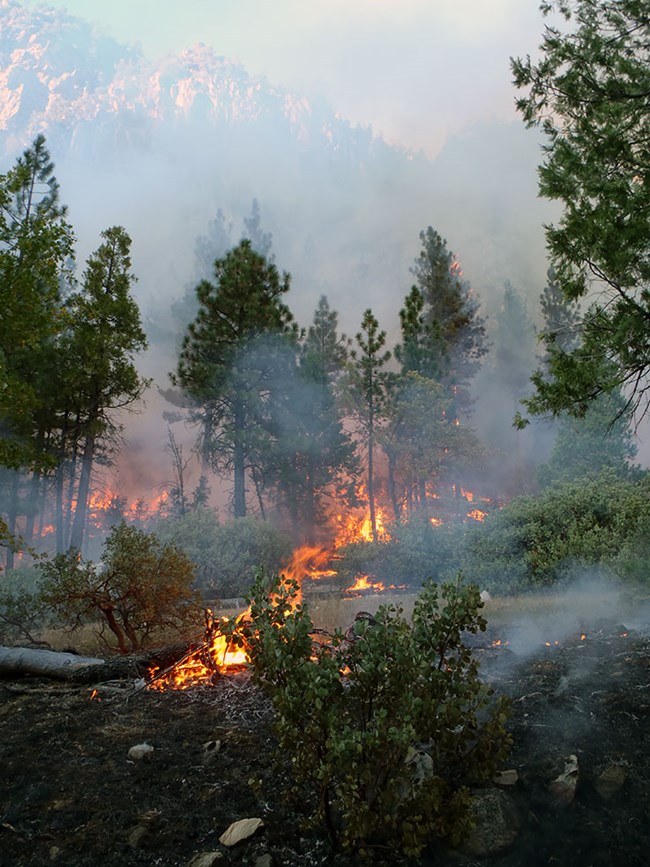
{"type": "Point", "coordinates": [220, 173]}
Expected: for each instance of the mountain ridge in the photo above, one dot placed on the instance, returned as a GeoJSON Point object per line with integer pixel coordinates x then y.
{"type": "Point", "coordinates": [58, 72]}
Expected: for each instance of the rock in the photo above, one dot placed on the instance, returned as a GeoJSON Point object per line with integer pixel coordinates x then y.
{"type": "Point", "coordinates": [210, 750]}
{"type": "Point", "coordinates": [139, 751]}
{"type": "Point", "coordinates": [485, 596]}
{"type": "Point", "coordinates": [54, 853]}
{"type": "Point", "coordinates": [264, 860]}
{"type": "Point", "coordinates": [506, 778]}
{"type": "Point", "coordinates": [147, 821]}
{"type": "Point", "coordinates": [137, 835]}
{"type": "Point", "coordinates": [495, 822]}
{"type": "Point", "coordinates": [563, 788]}
{"type": "Point", "coordinates": [239, 831]}
{"type": "Point", "coordinates": [206, 859]}
{"type": "Point", "coordinates": [610, 781]}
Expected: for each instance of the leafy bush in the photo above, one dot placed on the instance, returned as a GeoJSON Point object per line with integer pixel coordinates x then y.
{"type": "Point", "coordinates": [633, 560]}
{"type": "Point", "coordinates": [386, 724]}
{"type": "Point", "coordinates": [141, 588]}
{"type": "Point", "coordinates": [22, 613]}
{"type": "Point", "coordinates": [226, 555]}
{"type": "Point", "coordinates": [538, 541]}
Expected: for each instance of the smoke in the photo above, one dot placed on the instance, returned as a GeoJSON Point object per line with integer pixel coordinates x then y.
{"type": "Point", "coordinates": [594, 601]}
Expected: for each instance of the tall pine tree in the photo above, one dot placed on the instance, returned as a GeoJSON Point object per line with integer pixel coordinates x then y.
{"type": "Point", "coordinates": [366, 393]}
{"type": "Point", "coordinates": [225, 360]}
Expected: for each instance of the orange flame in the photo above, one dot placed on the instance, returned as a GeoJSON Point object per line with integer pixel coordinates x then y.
{"type": "Point", "coordinates": [216, 656]}
{"type": "Point", "coordinates": [477, 515]}
{"type": "Point", "coordinates": [363, 583]}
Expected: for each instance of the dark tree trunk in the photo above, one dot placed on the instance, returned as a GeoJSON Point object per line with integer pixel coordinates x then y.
{"type": "Point", "coordinates": [12, 517]}
{"type": "Point", "coordinates": [310, 504]}
{"type": "Point", "coordinates": [371, 480]}
{"type": "Point", "coordinates": [392, 488]}
{"type": "Point", "coordinates": [79, 522]}
{"type": "Point", "coordinates": [424, 505]}
{"type": "Point", "coordinates": [239, 467]}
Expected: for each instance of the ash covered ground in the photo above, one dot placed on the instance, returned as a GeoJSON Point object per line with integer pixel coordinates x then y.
{"type": "Point", "coordinates": [71, 795]}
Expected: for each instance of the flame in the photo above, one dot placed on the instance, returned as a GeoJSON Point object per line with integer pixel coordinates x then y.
{"type": "Point", "coordinates": [357, 527]}
{"type": "Point", "coordinates": [477, 515]}
{"type": "Point", "coordinates": [364, 583]}
{"type": "Point", "coordinates": [200, 666]}
{"type": "Point", "coordinates": [436, 522]}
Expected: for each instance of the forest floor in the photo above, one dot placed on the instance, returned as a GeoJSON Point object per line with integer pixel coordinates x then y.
{"type": "Point", "coordinates": [70, 793]}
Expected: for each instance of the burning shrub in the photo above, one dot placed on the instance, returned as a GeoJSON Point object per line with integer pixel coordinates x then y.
{"type": "Point", "coordinates": [142, 587]}
{"type": "Point", "coordinates": [387, 723]}
{"type": "Point", "coordinates": [415, 551]}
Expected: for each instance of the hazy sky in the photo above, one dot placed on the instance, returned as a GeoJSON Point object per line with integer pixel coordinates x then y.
{"type": "Point", "coordinates": [413, 69]}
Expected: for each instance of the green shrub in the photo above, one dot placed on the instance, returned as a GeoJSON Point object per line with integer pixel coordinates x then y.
{"type": "Point", "coordinates": [415, 551]}
{"type": "Point", "coordinates": [226, 555]}
{"type": "Point", "coordinates": [385, 725]}
{"type": "Point", "coordinates": [633, 560]}
{"type": "Point", "coordinates": [23, 617]}
{"type": "Point", "coordinates": [141, 588]}
{"type": "Point", "coordinates": [539, 541]}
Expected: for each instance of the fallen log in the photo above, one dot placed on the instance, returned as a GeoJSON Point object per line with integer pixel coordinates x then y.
{"type": "Point", "coordinates": [46, 663]}
{"type": "Point", "coordinates": [85, 669]}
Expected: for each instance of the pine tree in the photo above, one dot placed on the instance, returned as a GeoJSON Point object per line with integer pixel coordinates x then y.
{"type": "Point", "coordinates": [451, 332]}
{"type": "Point", "coordinates": [514, 342]}
{"type": "Point", "coordinates": [560, 318]}
{"type": "Point", "coordinates": [226, 360]}
{"type": "Point", "coordinates": [105, 336]}
{"type": "Point", "coordinates": [313, 457]}
{"type": "Point", "coordinates": [323, 342]}
{"type": "Point", "coordinates": [36, 249]}
{"type": "Point", "coordinates": [366, 393]}
{"type": "Point", "coordinates": [588, 91]}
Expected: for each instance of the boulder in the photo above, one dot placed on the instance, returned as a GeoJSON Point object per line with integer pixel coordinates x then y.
{"type": "Point", "coordinates": [610, 781]}
{"type": "Point", "coordinates": [495, 823]}
{"type": "Point", "coordinates": [238, 831]}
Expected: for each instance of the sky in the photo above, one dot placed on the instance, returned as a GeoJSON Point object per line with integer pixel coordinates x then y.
{"type": "Point", "coordinates": [415, 70]}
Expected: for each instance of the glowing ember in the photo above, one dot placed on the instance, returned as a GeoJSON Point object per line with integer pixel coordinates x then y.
{"type": "Point", "coordinates": [436, 522]}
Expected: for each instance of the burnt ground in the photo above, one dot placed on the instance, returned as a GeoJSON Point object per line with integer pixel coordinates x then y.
{"type": "Point", "coordinates": [70, 794]}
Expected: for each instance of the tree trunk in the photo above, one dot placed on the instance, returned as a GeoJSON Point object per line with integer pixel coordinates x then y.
{"type": "Point", "coordinates": [310, 504]}
{"type": "Point", "coordinates": [371, 480]}
{"type": "Point", "coordinates": [47, 663]}
{"type": "Point", "coordinates": [392, 488]}
{"type": "Point", "coordinates": [12, 517]}
{"type": "Point", "coordinates": [424, 506]}
{"type": "Point", "coordinates": [79, 522]}
{"type": "Point", "coordinates": [239, 499]}
{"type": "Point", "coordinates": [32, 506]}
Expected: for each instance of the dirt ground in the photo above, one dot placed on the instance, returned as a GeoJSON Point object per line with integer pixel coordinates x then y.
{"type": "Point", "coordinates": [70, 794]}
